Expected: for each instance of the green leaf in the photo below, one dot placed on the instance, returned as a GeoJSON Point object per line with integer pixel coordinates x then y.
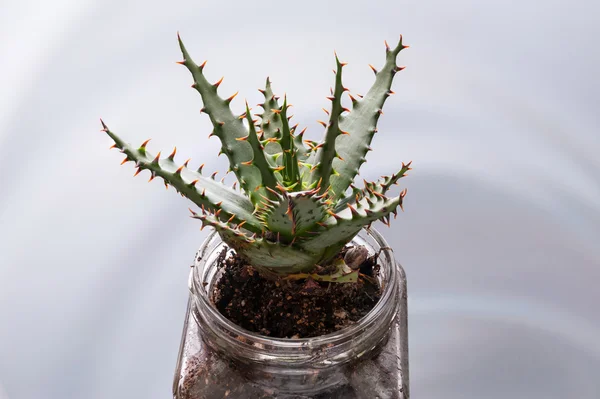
{"type": "Point", "coordinates": [204, 192]}
{"type": "Point", "coordinates": [228, 128]}
{"type": "Point", "coordinates": [327, 153]}
{"type": "Point", "coordinates": [361, 124]}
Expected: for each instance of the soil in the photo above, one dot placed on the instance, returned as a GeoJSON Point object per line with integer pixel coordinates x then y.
{"type": "Point", "coordinates": [292, 308]}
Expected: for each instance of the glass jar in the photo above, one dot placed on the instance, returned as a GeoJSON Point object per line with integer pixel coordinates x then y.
{"type": "Point", "coordinates": [218, 359]}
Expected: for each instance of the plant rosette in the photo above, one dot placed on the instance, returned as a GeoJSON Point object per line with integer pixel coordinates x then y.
{"type": "Point", "coordinates": [293, 295]}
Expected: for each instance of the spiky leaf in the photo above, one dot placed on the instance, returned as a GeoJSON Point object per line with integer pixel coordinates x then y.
{"type": "Point", "coordinates": [228, 128]}
{"type": "Point", "coordinates": [361, 124]}
{"type": "Point", "coordinates": [204, 192]}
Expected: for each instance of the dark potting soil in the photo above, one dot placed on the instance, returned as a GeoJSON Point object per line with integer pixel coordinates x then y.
{"type": "Point", "coordinates": [292, 308]}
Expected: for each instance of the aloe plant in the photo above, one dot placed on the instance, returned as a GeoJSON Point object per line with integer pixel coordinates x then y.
{"type": "Point", "coordinates": [296, 207]}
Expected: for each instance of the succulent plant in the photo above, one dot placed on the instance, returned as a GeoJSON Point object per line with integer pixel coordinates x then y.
{"type": "Point", "coordinates": [297, 206]}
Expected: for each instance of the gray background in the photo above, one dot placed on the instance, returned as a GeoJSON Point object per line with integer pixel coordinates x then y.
{"type": "Point", "coordinates": [498, 109]}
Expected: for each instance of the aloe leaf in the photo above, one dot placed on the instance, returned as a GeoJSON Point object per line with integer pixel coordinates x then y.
{"type": "Point", "coordinates": [361, 124]}
{"type": "Point", "coordinates": [382, 186]}
{"type": "Point", "coordinates": [342, 226]}
{"type": "Point", "coordinates": [327, 151]}
{"type": "Point", "coordinates": [270, 118]}
{"type": "Point", "coordinates": [260, 252]}
{"type": "Point", "coordinates": [204, 192]}
{"type": "Point", "coordinates": [291, 173]}
{"type": "Point", "coordinates": [228, 128]}
{"type": "Point", "coordinates": [293, 214]}
{"type": "Point", "coordinates": [259, 160]}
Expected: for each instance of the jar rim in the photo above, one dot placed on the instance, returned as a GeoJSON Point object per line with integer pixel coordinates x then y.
{"type": "Point", "coordinates": [390, 287]}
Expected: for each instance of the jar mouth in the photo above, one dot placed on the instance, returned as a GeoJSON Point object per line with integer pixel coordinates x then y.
{"type": "Point", "coordinates": [203, 276]}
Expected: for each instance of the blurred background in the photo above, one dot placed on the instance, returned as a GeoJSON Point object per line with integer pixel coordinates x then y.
{"type": "Point", "coordinates": [497, 109]}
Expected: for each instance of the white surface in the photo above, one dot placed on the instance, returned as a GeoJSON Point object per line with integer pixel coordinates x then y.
{"type": "Point", "coordinates": [497, 108]}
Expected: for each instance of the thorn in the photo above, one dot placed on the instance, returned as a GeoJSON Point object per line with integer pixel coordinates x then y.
{"type": "Point", "coordinates": [335, 215]}
{"type": "Point", "coordinates": [156, 159]}
{"type": "Point", "coordinates": [221, 123]}
{"type": "Point", "coordinates": [125, 160]}
{"type": "Point", "coordinates": [213, 175]}
{"type": "Point", "coordinates": [152, 176]}
{"type": "Point", "coordinates": [322, 123]}
{"type": "Point", "coordinates": [387, 46]}
{"type": "Point", "coordinates": [231, 97]}
{"type": "Point", "coordinates": [373, 68]}
{"type": "Point", "coordinates": [194, 183]}
{"type": "Point", "coordinates": [324, 110]}
{"type": "Point", "coordinates": [178, 171]}
{"type": "Point", "coordinates": [201, 66]}
{"type": "Point", "coordinates": [241, 224]}
{"type": "Point", "coordinates": [139, 169]}
{"type": "Point", "coordinates": [172, 156]}
{"type": "Point", "coordinates": [144, 144]}
{"type": "Point", "coordinates": [247, 163]}
{"type": "Point", "coordinates": [186, 162]}
{"type": "Point", "coordinates": [353, 210]}
{"type": "Point", "coordinates": [400, 68]}
{"type": "Point", "coordinates": [218, 82]}
{"type": "Point", "coordinates": [403, 193]}
{"type": "Point", "coordinates": [263, 92]}
{"type": "Point", "coordinates": [242, 138]}
{"type": "Point", "coordinates": [203, 194]}
{"type": "Point", "coordinates": [104, 127]}
{"type": "Point", "coordinates": [330, 98]}
{"type": "Point", "coordinates": [203, 109]}
{"type": "Point", "coordinates": [113, 146]}
{"type": "Point", "coordinates": [234, 185]}
{"type": "Point", "coordinates": [378, 194]}
{"type": "Point", "coordinates": [344, 132]}
{"type": "Point", "coordinates": [218, 211]}
{"type": "Point", "coordinates": [200, 168]}
{"type": "Point", "coordinates": [281, 188]}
